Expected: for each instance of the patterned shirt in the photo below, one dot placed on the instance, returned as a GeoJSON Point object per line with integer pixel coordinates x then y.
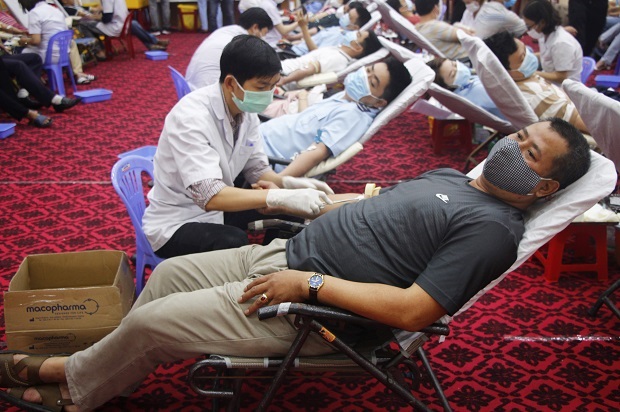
{"type": "Point", "coordinates": [443, 36]}
{"type": "Point", "coordinates": [547, 99]}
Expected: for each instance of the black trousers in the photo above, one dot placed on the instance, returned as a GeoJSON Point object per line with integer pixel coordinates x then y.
{"type": "Point", "coordinates": [23, 68]}
{"type": "Point", "coordinates": [205, 237]}
{"type": "Point", "coordinates": [588, 17]}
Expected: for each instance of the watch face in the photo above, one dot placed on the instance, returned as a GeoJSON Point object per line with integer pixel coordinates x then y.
{"type": "Point", "coordinates": [315, 281]}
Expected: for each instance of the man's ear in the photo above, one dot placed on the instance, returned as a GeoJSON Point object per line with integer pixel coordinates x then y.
{"type": "Point", "coordinates": [380, 103]}
{"type": "Point", "coordinates": [546, 188]}
{"type": "Point", "coordinates": [229, 82]}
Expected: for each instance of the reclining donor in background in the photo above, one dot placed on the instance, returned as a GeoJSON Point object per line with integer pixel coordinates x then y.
{"type": "Point", "coordinates": [329, 127]}
{"type": "Point", "coordinates": [403, 258]}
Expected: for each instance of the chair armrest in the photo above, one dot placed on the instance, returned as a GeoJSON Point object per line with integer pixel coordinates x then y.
{"type": "Point", "coordinates": [327, 312]}
{"type": "Point", "coordinates": [264, 224]}
{"type": "Point", "coordinates": [333, 162]}
{"type": "Point", "coordinates": [278, 161]}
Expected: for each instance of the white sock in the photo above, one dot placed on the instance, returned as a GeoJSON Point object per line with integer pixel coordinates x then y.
{"type": "Point", "coordinates": [57, 99]}
{"type": "Point", "coordinates": [22, 93]}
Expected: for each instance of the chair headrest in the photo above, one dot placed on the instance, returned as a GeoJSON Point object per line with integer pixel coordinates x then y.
{"type": "Point", "coordinates": [356, 64]}
{"type": "Point", "coordinates": [468, 110]}
{"type": "Point", "coordinates": [406, 29]}
{"type": "Point", "coordinates": [498, 84]}
{"type": "Point", "coordinates": [601, 115]}
{"type": "Point", "coordinates": [375, 16]}
{"type": "Point", "coordinates": [422, 77]}
{"type": "Point", "coordinates": [547, 218]}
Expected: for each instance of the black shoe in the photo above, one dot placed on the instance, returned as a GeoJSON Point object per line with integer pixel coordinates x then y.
{"type": "Point", "coordinates": [29, 103]}
{"type": "Point", "coordinates": [67, 103]}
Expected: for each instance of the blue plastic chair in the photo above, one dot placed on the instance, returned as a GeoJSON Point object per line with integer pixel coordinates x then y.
{"type": "Point", "coordinates": [588, 65]}
{"type": "Point", "coordinates": [61, 42]}
{"type": "Point", "coordinates": [180, 84]}
{"type": "Point", "coordinates": [127, 181]}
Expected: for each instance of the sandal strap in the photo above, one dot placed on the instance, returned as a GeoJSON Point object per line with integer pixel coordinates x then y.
{"type": "Point", "coordinates": [51, 397]}
{"type": "Point", "coordinates": [10, 370]}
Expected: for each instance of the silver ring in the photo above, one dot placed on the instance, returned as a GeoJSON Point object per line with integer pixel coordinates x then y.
{"type": "Point", "coordinates": [264, 298]}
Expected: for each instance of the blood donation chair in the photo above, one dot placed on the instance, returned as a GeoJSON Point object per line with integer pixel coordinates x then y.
{"type": "Point", "coordinates": [389, 358]}
{"type": "Point", "coordinates": [422, 77]}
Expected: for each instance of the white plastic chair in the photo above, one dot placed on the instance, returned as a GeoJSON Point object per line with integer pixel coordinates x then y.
{"type": "Point", "coordinates": [405, 28]}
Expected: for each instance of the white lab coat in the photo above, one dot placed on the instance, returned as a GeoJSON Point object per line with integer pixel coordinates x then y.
{"type": "Point", "coordinates": [197, 144]}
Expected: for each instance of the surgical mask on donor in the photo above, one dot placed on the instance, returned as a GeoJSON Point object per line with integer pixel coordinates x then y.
{"type": "Point", "coordinates": [356, 85]}
{"type": "Point", "coordinates": [506, 169]}
{"type": "Point", "coordinates": [529, 65]}
{"type": "Point", "coordinates": [253, 102]}
{"type": "Point", "coordinates": [462, 76]}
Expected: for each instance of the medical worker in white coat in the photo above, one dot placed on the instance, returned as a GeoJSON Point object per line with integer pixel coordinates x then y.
{"type": "Point", "coordinates": [209, 138]}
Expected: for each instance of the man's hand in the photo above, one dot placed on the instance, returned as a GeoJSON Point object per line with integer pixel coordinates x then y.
{"type": "Point", "coordinates": [290, 182]}
{"type": "Point", "coordinates": [304, 201]}
{"type": "Point", "coordinates": [285, 286]}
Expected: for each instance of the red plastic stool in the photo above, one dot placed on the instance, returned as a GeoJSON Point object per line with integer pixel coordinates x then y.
{"type": "Point", "coordinates": [582, 232]}
{"type": "Point", "coordinates": [452, 133]}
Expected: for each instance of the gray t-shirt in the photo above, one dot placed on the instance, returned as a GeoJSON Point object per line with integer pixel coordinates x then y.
{"type": "Point", "coordinates": [436, 230]}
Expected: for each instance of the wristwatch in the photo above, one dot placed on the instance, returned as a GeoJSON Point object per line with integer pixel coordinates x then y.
{"type": "Point", "coordinates": [315, 282]}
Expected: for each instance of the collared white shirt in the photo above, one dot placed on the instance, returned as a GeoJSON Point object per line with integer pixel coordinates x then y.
{"type": "Point", "coordinates": [204, 68]}
{"type": "Point", "coordinates": [197, 144]}
{"type": "Point", "coordinates": [561, 52]}
{"type": "Point", "coordinates": [120, 12]}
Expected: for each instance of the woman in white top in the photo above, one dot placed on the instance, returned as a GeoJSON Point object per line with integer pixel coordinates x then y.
{"type": "Point", "coordinates": [44, 21]}
{"type": "Point", "coordinates": [469, 15]}
{"type": "Point", "coordinates": [560, 53]}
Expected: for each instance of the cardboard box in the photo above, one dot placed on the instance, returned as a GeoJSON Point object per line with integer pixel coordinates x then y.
{"type": "Point", "coordinates": [65, 302]}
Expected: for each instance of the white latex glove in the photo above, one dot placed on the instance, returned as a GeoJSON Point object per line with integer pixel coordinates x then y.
{"type": "Point", "coordinates": [290, 182]}
{"type": "Point", "coordinates": [308, 201]}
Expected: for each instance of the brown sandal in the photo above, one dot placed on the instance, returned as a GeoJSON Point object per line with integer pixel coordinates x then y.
{"type": "Point", "coordinates": [9, 371]}
{"type": "Point", "coordinates": [52, 400]}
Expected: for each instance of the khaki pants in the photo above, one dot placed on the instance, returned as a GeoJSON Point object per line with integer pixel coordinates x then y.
{"type": "Point", "coordinates": [188, 308]}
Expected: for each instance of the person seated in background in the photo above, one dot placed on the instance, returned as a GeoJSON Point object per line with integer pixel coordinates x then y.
{"type": "Point", "coordinates": [441, 34]}
{"type": "Point", "coordinates": [204, 67]}
{"type": "Point", "coordinates": [545, 98]}
{"type": "Point", "coordinates": [402, 7]}
{"type": "Point", "coordinates": [209, 138]}
{"type": "Point", "coordinates": [357, 17]}
{"type": "Point", "coordinates": [279, 29]}
{"type": "Point", "coordinates": [108, 20]}
{"type": "Point", "coordinates": [44, 21]}
{"type": "Point", "coordinates": [561, 56]}
{"type": "Point", "coordinates": [457, 77]}
{"type": "Point", "coordinates": [468, 20]}
{"type": "Point", "coordinates": [402, 258]}
{"type": "Point", "coordinates": [329, 59]}
{"type": "Point", "coordinates": [494, 17]}
{"type": "Point", "coordinates": [18, 68]}
{"type": "Point", "coordinates": [327, 128]}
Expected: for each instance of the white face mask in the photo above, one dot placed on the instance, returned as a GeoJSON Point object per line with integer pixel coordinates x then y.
{"type": "Point", "coordinates": [534, 34]}
{"type": "Point", "coordinates": [473, 7]}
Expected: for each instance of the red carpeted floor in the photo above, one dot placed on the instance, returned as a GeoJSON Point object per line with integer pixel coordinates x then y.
{"type": "Point", "coordinates": [526, 345]}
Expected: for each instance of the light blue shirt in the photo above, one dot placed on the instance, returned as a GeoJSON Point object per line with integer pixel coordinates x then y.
{"type": "Point", "coordinates": [330, 36]}
{"type": "Point", "coordinates": [475, 92]}
{"type": "Point", "coordinates": [340, 121]}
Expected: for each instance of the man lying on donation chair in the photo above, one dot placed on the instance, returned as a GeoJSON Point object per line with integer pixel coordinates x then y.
{"type": "Point", "coordinates": [328, 127]}
{"type": "Point", "coordinates": [329, 59]}
{"type": "Point", "coordinates": [404, 258]}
